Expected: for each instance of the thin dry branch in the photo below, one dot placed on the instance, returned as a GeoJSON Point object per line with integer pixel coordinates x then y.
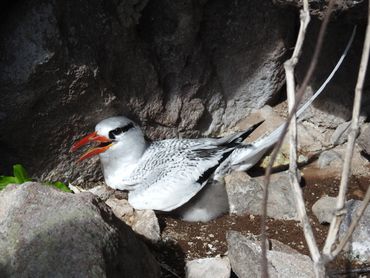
{"type": "Point", "coordinates": [340, 206]}
{"type": "Point", "coordinates": [289, 66]}
{"type": "Point", "coordinates": [277, 147]}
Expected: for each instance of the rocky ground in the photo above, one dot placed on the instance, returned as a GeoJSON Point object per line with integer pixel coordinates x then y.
{"type": "Point", "coordinates": [199, 240]}
{"type": "Point", "coordinates": [180, 244]}
{"type": "Point", "coordinates": [50, 220]}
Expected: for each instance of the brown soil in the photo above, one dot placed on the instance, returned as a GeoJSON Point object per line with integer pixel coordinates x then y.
{"type": "Point", "coordinates": [184, 241]}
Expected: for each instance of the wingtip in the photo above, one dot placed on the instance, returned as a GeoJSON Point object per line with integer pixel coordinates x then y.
{"type": "Point", "coordinates": [255, 126]}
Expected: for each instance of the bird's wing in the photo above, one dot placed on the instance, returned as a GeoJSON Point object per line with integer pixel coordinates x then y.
{"type": "Point", "coordinates": [175, 174]}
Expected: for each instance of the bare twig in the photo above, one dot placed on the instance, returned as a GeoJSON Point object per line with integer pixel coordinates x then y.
{"type": "Point", "coordinates": [293, 169]}
{"type": "Point", "coordinates": [340, 207]}
{"type": "Point", "coordinates": [277, 147]}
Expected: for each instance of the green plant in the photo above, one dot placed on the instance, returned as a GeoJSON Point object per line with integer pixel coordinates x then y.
{"type": "Point", "coordinates": [60, 186]}
{"type": "Point", "coordinates": [20, 176]}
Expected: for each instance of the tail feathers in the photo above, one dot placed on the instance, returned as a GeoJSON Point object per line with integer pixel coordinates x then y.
{"type": "Point", "coordinates": [240, 137]}
{"type": "Point", "coordinates": [246, 156]}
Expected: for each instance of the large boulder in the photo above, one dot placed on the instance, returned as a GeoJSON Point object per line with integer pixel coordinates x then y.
{"type": "Point", "coordinates": [48, 233]}
{"type": "Point", "coordinates": [178, 68]}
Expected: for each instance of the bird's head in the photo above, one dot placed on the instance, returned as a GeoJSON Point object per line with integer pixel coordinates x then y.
{"type": "Point", "coordinates": [109, 134]}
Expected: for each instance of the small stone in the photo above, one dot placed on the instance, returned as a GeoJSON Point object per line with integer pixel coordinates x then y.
{"type": "Point", "coordinates": [143, 222]}
{"type": "Point", "coordinates": [340, 134]}
{"type": "Point", "coordinates": [208, 268]}
{"type": "Point", "coordinates": [102, 191]}
{"type": "Point", "coordinates": [245, 195]}
{"type": "Point", "coordinates": [324, 209]}
{"type": "Point", "coordinates": [121, 208]}
{"type": "Point", "coordinates": [363, 140]}
{"type": "Point", "coordinates": [146, 224]}
{"type": "Point", "coordinates": [328, 157]}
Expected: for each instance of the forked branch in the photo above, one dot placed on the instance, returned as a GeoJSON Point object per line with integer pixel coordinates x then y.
{"type": "Point", "coordinates": [277, 147]}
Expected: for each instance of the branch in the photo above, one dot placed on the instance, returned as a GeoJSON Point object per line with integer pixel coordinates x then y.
{"type": "Point", "coordinates": [293, 169]}
{"type": "Point", "coordinates": [277, 147]}
{"type": "Point", "coordinates": [340, 207]}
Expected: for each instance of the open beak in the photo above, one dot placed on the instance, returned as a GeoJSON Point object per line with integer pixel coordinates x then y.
{"type": "Point", "coordinates": [105, 144]}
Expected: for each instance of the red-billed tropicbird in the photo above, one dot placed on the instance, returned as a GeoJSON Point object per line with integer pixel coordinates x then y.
{"type": "Point", "coordinates": [172, 174]}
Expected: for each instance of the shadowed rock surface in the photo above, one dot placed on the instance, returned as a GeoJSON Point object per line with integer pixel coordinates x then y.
{"type": "Point", "coordinates": [48, 233]}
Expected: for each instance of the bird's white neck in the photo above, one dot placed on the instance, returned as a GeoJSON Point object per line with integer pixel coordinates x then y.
{"type": "Point", "coordinates": [120, 160]}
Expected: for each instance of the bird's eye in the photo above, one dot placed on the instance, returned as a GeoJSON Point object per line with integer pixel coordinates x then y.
{"type": "Point", "coordinates": [119, 130]}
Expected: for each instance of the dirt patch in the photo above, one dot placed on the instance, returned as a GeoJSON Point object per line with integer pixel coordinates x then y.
{"type": "Point", "coordinates": [199, 240]}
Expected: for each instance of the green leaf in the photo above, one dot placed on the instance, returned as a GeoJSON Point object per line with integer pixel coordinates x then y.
{"type": "Point", "coordinates": [20, 173]}
{"type": "Point", "coordinates": [4, 181]}
{"type": "Point", "coordinates": [61, 186]}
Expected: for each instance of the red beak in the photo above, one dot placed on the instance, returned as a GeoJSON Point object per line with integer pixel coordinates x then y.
{"type": "Point", "coordinates": [92, 137]}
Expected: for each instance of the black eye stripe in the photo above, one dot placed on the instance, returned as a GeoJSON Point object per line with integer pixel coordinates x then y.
{"type": "Point", "coordinates": [119, 130]}
{"type": "Point", "coordinates": [127, 127]}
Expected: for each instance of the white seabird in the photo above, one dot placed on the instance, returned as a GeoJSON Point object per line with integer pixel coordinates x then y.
{"type": "Point", "coordinates": [177, 174]}
{"type": "Point", "coordinates": [160, 175]}
{"type": "Point", "coordinates": [185, 175]}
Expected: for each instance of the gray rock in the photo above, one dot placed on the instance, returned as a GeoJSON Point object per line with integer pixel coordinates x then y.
{"type": "Point", "coordinates": [122, 209]}
{"type": "Point", "coordinates": [143, 222]}
{"type": "Point", "coordinates": [208, 268]}
{"type": "Point", "coordinates": [327, 158]}
{"type": "Point", "coordinates": [49, 233]}
{"type": "Point", "coordinates": [245, 195]}
{"type": "Point", "coordinates": [245, 258]}
{"type": "Point", "coordinates": [364, 139]}
{"type": "Point", "coordinates": [332, 161]}
{"type": "Point", "coordinates": [340, 134]}
{"type": "Point", "coordinates": [324, 209]}
{"type": "Point", "coordinates": [358, 248]}
{"type": "Point", "coordinates": [102, 191]}
{"type": "Point", "coordinates": [146, 223]}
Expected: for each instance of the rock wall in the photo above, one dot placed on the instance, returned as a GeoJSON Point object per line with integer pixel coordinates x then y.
{"type": "Point", "coordinates": [180, 68]}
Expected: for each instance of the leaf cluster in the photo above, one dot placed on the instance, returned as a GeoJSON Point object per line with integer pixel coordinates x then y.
{"type": "Point", "coordinates": [20, 176]}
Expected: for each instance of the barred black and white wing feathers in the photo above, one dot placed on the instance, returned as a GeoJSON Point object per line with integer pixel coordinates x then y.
{"type": "Point", "coordinates": [172, 171]}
